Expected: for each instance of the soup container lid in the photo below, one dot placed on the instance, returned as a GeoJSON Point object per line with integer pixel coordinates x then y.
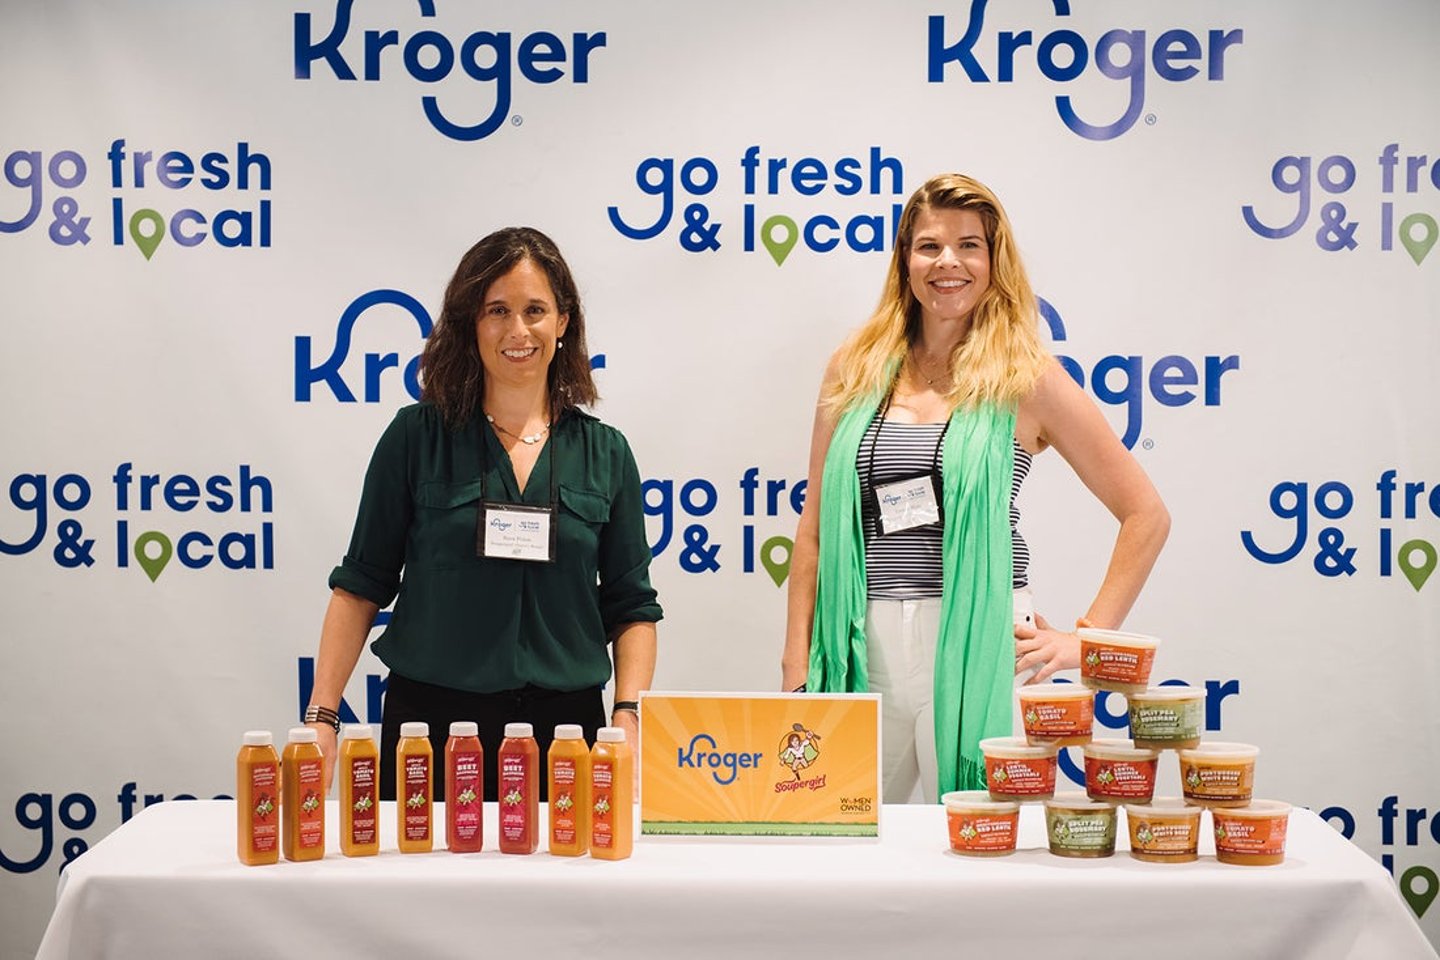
{"type": "Point", "coordinates": [1167, 694]}
{"type": "Point", "coordinates": [1118, 638]}
{"type": "Point", "coordinates": [961, 801]}
{"type": "Point", "coordinates": [1055, 691]}
{"type": "Point", "coordinates": [1220, 750]}
{"type": "Point", "coordinates": [1077, 801]}
{"type": "Point", "coordinates": [1164, 807]}
{"type": "Point", "coordinates": [1015, 747]}
{"type": "Point", "coordinates": [1118, 750]}
{"type": "Point", "coordinates": [1257, 810]}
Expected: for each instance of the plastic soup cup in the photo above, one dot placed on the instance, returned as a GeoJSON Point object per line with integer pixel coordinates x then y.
{"type": "Point", "coordinates": [979, 826]}
{"type": "Point", "coordinates": [1116, 661]}
{"type": "Point", "coordinates": [1164, 718]}
{"type": "Point", "coordinates": [1015, 770]}
{"type": "Point", "coordinates": [1164, 831]}
{"type": "Point", "coordinates": [1254, 835]}
{"type": "Point", "coordinates": [1060, 714]}
{"type": "Point", "coordinates": [1219, 774]}
{"type": "Point", "coordinates": [1116, 770]}
{"type": "Point", "coordinates": [1079, 827]}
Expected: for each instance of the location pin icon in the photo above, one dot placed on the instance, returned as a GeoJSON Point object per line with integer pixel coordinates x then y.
{"type": "Point", "coordinates": [779, 249]}
{"type": "Point", "coordinates": [153, 565]}
{"type": "Point", "coordinates": [1418, 249]}
{"type": "Point", "coordinates": [148, 242]}
{"type": "Point", "coordinates": [1417, 573]}
{"type": "Point", "coordinates": [780, 569]}
{"type": "Point", "coordinates": [1419, 900]}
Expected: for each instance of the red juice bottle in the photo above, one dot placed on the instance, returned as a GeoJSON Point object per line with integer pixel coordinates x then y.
{"type": "Point", "coordinates": [464, 788]}
{"type": "Point", "coordinates": [519, 790]}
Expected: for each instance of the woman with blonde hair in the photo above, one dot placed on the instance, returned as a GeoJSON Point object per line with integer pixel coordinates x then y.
{"type": "Point", "coordinates": [908, 574]}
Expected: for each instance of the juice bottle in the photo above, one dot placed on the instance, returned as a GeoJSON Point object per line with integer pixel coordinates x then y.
{"type": "Point", "coordinates": [302, 791]}
{"type": "Point", "coordinates": [519, 790]}
{"type": "Point", "coordinates": [359, 793]}
{"type": "Point", "coordinates": [569, 773]}
{"type": "Point", "coordinates": [414, 788]}
{"type": "Point", "coordinates": [464, 788]}
{"type": "Point", "coordinates": [257, 799]}
{"type": "Point", "coordinates": [612, 794]}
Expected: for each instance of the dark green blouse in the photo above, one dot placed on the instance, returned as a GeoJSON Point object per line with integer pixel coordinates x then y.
{"type": "Point", "coordinates": [479, 624]}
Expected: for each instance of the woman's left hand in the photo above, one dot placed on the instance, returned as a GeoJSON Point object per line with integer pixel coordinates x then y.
{"type": "Point", "coordinates": [629, 721]}
{"type": "Point", "coordinates": [1044, 649]}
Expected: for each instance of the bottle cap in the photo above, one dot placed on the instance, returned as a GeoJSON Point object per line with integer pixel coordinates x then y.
{"type": "Point", "coordinates": [519, 730]}
{"type": "Point", "coordinates": [302, 735]}
{"type": "Point", "coordinates": [358, 731]}
{"type": "Point", "coordinates": [611, 735]}
{"type": "Point", "coordinates": [569, 731]}
{"type": "Point", "coordinates": [258, 738]}
{"type": "Point", "coordinates": [415, 728]}
{"type": "Point", "coordinates": [464, 728]}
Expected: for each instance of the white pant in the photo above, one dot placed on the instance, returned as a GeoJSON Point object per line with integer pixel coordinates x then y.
{"type": "Point", "coordinates": [900, 638]}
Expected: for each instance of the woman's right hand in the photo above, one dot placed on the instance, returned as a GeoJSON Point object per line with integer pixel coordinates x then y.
{"type": "Point", "coordinates": [326, 737]}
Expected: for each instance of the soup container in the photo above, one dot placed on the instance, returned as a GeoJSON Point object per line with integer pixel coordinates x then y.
{"type": "Point", "coordinates": [1016, 770]}
{"type": "Point", "coordinates": [1218, 774]}
{"type": "Point", "coordinates": [1117, 770]}
{"type": "Point", "coordinates": [1079, 827]}
{"type": "Point", "coordinates": [1253, 835]}
{"type": "Point", "coordinates": [1060, 714]}
{"type": "Point", "coordinates": [1167, 718]}
{"type": "Point", "coordinates": [979, 826]}
{"type": "Point", "coordinates": [1116, 661]}
{"type": "Point", "coordinates": [1164, 830]}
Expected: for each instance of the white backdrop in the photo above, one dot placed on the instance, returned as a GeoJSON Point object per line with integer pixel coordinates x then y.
{"type": "Point", "coordinates": [1235, 256]}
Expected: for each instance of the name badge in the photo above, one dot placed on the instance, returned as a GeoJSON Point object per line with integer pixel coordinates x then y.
{"type": "Point", "coordinates": [905, 504]}
{"type": "Point", "coordinates": [512, 531]}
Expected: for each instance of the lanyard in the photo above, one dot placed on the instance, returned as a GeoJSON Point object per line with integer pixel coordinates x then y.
{"type": "Point", "coordinates": [875, 442]}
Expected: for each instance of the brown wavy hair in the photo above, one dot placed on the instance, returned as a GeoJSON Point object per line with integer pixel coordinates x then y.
{"type": "Point", "coordinates": [451, 373]}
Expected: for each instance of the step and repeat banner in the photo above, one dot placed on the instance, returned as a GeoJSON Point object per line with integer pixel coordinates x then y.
{"type": "Point", "coordinates": [225, 230]}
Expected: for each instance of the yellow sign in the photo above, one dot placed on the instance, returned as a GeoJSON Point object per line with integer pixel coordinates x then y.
{"type": "Point", "coordinates": [760, 764]}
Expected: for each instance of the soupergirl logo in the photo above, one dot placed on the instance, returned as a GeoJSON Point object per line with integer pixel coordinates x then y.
{"type": "Point", "coordinates": [143, 499]}
{"type": "Point", "coordinates": [1321, 187]}
{"type": "Point", "coordinates": [789, 202]}
{"type": "Point", "coordinates": [1063, 55]}
{"type": "Point", "coordinates": [1304, 506]}
{"type": "Point", "coordinates": [492, 59]}
{"type": "Point", "coordinates": [51, 184]}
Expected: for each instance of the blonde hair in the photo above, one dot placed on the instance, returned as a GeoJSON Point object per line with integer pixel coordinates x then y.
{"type": "Point", "coordinates": [1001, 357]}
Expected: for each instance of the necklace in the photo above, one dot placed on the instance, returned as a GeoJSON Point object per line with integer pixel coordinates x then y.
{"type": "Point", "coordinates": [929, 381]}
{"type": "Point", "coordinates": [529, 439]}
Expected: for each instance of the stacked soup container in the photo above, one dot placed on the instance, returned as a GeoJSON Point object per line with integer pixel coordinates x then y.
{"type": "Point", "coordinates": [1214, 775]}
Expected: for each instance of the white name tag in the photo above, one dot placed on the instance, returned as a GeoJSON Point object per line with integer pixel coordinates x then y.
{"type": "Point", "coordinates": [907, 503]}
{"type": "Point", "coordinates": [514, 532]}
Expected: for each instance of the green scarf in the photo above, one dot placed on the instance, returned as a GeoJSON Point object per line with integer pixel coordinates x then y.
{"type": "Point", "coordinates": [974, 657]}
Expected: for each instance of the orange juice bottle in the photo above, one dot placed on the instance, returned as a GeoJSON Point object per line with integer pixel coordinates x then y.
{"type": "Point", "coordinates": [519, 790]}
{"type": "Point", "coordinates": [302, 804]}
{"type": "Point", "coordinates": [414, 788]}
{"type": "Point", "coordinates": [359, 793]}
{"type": "Point", "coordinates": [569, 778]}
{"type": "Point", "coordinates": [464, 788]}
{"type": "Point", "coordinates": [257, 799]}
{"type": "Point", "coordinates": [612, 794]}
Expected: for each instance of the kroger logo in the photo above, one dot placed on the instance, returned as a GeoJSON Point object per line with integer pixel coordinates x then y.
{"type": "Point", "coordinates": [1064, 55]}
{"type": "Point", "coordinates": [487, 57]}
{"type": "Point", "coordinates": [695, 758]}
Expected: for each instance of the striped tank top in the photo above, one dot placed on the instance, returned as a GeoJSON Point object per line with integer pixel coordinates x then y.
{"type": "Point", "coordinates": [907, 565]}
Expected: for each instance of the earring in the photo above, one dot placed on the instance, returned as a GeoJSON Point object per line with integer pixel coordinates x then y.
{"type": "Point", "coordinates": [559, 344]}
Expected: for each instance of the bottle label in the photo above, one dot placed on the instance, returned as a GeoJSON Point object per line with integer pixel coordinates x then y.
{"type": "Point", "coordinates": [514, 804]}
{"type": "Point", "coordinates": [362, 801]}
{"type": "Point", "coordinates": [264, 823]}
{"type": "Point", "coordinates": [562, 804]}
{"type": "Point", "coordinates": [602, 830]}
{"type": "Point", "coordinates": [464, 792]}
{"type": "Point", "coordinates": [311, 815]}
{"type": "Point", "coordinates": [417, 797]}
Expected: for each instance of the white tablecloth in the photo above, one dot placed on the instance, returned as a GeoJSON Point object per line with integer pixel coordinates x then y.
{"type": "Point", "coordinates": [167, 885]}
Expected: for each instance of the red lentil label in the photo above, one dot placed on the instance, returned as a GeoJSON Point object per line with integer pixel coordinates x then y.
{"type": "Point", "coordinates": [1118, 664]}
{"type": "Point", "coordinates": [983, 832]}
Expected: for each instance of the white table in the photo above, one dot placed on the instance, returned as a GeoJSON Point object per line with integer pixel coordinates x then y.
{"type": "Point", "coordinates": [167, 884]}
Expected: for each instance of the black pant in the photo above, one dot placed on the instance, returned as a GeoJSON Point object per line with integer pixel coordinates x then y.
{"type": "Point", "coordinates": [407, 700]}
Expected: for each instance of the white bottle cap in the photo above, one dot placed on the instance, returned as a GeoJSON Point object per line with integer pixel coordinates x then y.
{"type": "Point", "coordinates": [358, 731]}
{"type": "Point", "coordinates": [611, 735]}
{"type": "Point", "coordinates": [415, 728]}
{"type": "Point", "coordinates": [258, 738]}
{"type": "Point", "coordinates": [569, 731]}
{"type": "Point", "coordinates": [519, 730]}
{"type": "Point", "coordinates": [464, 728]}
{"type": "Point", "coordinates": [302, 735]}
